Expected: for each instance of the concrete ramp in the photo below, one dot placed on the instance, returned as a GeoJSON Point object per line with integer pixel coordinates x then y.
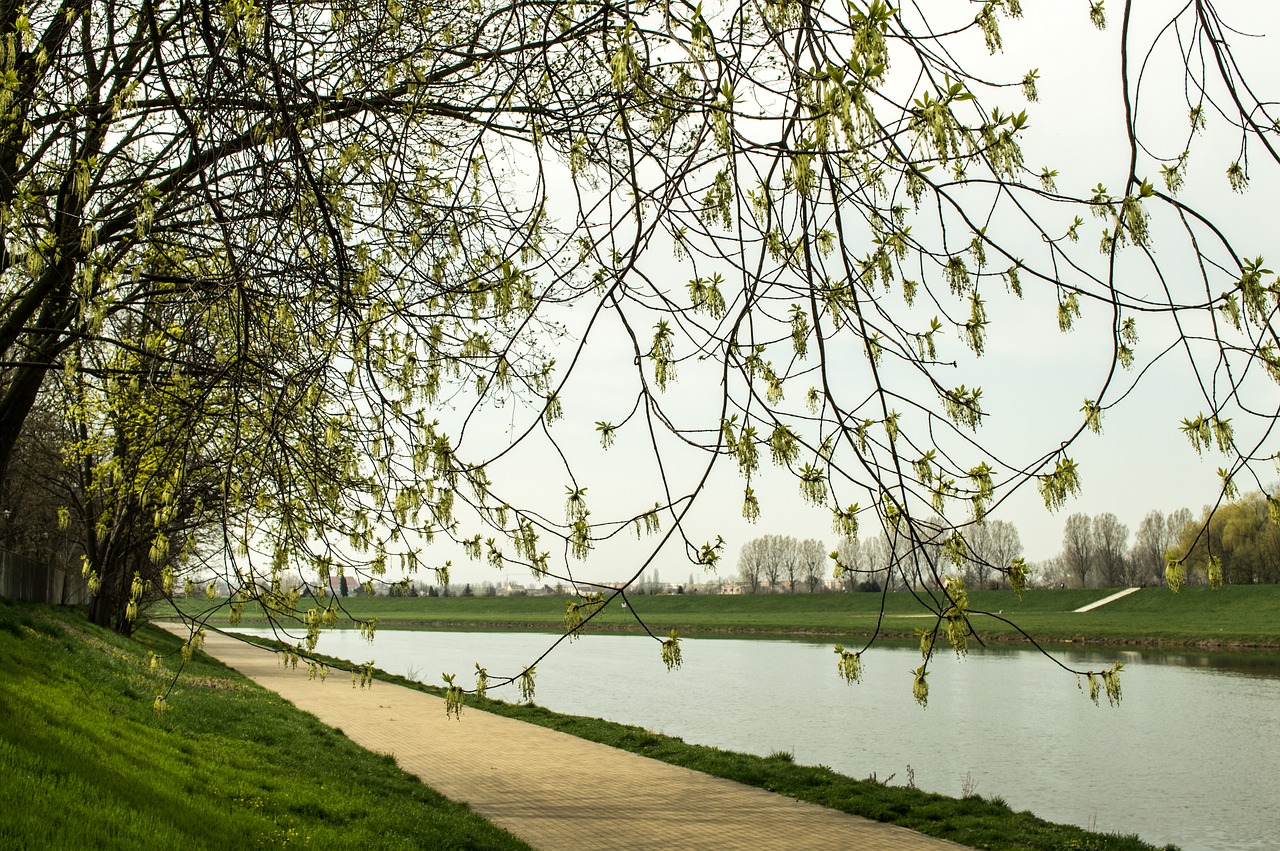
{"type": "Point", "coordinates": [1116, 596]}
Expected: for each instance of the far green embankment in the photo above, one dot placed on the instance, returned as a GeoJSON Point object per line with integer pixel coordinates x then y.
{"type": "Point", "coordinates": [1244, 616]}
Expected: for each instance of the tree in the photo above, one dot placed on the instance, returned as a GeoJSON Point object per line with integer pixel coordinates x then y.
{"type": "Point", "coordinates": [791, 566]}
{"type": "Point", "coordinates": [994, 545]}
{"type": "Point", "coordinates": [813, 563]}
{"type": "Point", "coordinates": [1051, 573]}
{"type": "Point", "coordinates": [1154, 543]}
{"type": "Point", "coordinates": [1110, 550]}
{"type": "Point", "coordinates": [275, 181]}
{"type": "Point", "coordinates": [1236, 544]}
{"type": "Point", "coordinates": [343, 588]}
{"type": "Point", "coordinates": [751, 565]}
{"type": "Point", "coordinates": [847, 555]}
{"type": "Point", "coordinates": [866, 565]}
{"type": "Point", "coordinates": [147, 487]}
{"type": "Point", "coordinates": [766, 559]}
{"type": "Point", "coordinates": [770, 558]}
{"type": "Point", "coordinates": [883, 555]}
{"type": "Point", "coordinates": [778, 555]}
{"type": "Point", "coordinates": [324, 221]}
{"type": "Point", "coordinates": [1078, 550]}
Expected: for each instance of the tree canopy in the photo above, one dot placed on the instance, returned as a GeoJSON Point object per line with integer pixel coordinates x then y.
{"type": "Point", "coordinates": [1237, 544]}
{"type": "Point", "coordinates": [291, 265]}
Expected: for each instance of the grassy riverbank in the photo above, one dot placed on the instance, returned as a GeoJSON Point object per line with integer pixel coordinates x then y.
{"type": "Point", "coordinates": [973, 821]}
{"type": "Point", "coordinates": [977, 822]}
{"type": "Point", "coordinates": [1245, 616]}
{"type": "Point", "coordinates": [85, 761]}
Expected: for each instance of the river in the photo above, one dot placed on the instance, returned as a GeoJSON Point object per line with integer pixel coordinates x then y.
{"type": "Point", "coordinates": [1191, 757]}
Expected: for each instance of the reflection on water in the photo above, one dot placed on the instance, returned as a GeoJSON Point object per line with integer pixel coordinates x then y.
{"type": "Point", "coordinates": [1189, 758]}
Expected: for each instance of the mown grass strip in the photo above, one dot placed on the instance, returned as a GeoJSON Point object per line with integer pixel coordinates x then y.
{"type": "Point", "coordinates": [85, 762]}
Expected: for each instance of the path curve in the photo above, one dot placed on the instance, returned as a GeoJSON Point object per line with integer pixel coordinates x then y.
{"type": "Point", "coordinates": [557, 791]}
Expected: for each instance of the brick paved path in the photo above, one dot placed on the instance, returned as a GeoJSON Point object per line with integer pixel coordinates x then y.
{"type": "Point", "coordinates": [556, 791]}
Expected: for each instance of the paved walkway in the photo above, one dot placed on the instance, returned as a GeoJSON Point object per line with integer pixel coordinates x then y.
{"type": "Point", "coordinates": [1111, 599]}
{"type": "Point", "coordinates": [557, 791]}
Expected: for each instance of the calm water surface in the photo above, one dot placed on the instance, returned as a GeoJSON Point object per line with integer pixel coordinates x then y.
{"type": "Point", "coordinates": [1191, 757]}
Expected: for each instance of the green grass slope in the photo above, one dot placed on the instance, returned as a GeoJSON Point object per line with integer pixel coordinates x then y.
{"type": "Point", "coordinates": [85, 761]}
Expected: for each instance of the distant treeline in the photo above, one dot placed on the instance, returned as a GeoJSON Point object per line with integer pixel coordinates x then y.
{"type": "Point", "coordinates": [1242, 536]}
{"type": "Point", "coordinates": [1238, 541]}
{"type": "Point", "coordinates": [782, 563]}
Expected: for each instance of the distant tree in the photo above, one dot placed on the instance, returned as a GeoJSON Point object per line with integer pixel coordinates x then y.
{"type": "Point", "coordinates": [343, 588]}
{"type": "Point", "coordinates": [792, 567]}
{"type": "Point", "coordinates": [1150, 543]}
{"type": "Point", "coordinates": [1176, 523]}
{"type": "Point", "coordinates": [993, 546]}
{"type": "Point", "coordinates": [813, 563]}
{"type": "Point", "coordinates": [1051, 573]}
{"type": "Point", "coordinates": [467, 590]}
{"type": "Point", "coordinates": [751, 564]}
{"type": "Point", "coordinates": [866, 565]}
{"type": "Point", "coordinates": [1077, 550]}
{"type": "Point", "coordinates": [1157, 538]}
{"type": "Point", "coordinates": [778, 553]}
{"type": "Point", "coordinates": [770, 559]}
{"type": "Point", "coordinates": [1110, 551]}
{"type": "Point", "coordinates": [848, 555]}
